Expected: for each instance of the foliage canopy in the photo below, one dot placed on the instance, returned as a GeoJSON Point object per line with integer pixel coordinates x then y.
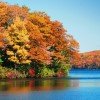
{"type": "Point", "coordinates": [32, 40]}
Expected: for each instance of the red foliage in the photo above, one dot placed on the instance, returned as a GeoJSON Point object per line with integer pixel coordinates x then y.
{"type": "Point", "coordinates": [60, 73]}
{"type": "Point", "coordinates": [31, 72]}
{"type": "Point", "coordinates": [11, 75]}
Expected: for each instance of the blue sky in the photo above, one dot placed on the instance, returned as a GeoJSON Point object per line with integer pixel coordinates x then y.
{"type": "Point", "coordinates": [80, 17]}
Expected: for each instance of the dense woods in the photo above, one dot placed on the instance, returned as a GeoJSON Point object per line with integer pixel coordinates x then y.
{"type": "Point", "coordinates": [89, 60]}
{"type": "Point", "coordinates": [32, 45]}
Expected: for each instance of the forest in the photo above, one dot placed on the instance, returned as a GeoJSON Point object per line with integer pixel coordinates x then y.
{"type": "Point", "coordinates": [87, 60]}
{"type": "Point", "coordinates": [32, 45]}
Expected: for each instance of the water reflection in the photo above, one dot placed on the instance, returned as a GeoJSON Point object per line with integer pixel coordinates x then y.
{"type": "Point", "coordinates": [84, 88]}
{"type": "Point", "coordinates": [15, 86]}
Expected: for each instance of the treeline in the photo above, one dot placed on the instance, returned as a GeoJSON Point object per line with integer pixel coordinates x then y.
{"type": "Point", "coordinates": [90, 60]}
{"type": "Point", "coordinates": [32, 45]}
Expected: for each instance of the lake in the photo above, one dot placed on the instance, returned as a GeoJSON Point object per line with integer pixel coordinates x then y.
{"type": "Point", "coordinates": [81, 85]}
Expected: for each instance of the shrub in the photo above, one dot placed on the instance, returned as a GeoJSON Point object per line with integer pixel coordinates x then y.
{"type": "Point", "coordinates": [46, 72]}
{"type": "Point", "coordinates": [60, 68]}
{"type": "Point", "coordinates": [10, 73]}
{"type": "Point", "coordinates": [31, 72]}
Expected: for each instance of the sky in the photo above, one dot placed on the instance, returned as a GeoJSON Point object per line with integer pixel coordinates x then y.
{"type": "Point", "coordinates": [81, 18]}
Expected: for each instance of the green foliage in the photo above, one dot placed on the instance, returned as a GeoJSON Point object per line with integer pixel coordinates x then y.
{"type": "Point", "coordinates": [10, 73]}
{"type": "Point", "coordinates": [55, 65]}
{"type": "Point", "coordinates": [46, 72]}
{"type": "Point", "coordinates": [23, 69]}
{"type": "Point", "coordinates": [1, 61]}
{"type": "Point", "coordinates": [65, 68]}
{"type": "Point", "coordinates": [61, 66]}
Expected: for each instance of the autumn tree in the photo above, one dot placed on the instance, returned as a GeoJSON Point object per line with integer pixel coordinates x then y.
{"type": "Point", "coordinates": [50, 37]}
{"type": "Point", "coordinates": [38, 49]}
{"type": "Point", "coordinates": [33, 38]}
{"type": "Point", "coordinates": [88, 60]}
{"type": "Point", "coordinates": [9, 12]}
{"type": "Point", "coordinates": [3, 12]}
{"type": "Point", "coordinates": [18, 42]}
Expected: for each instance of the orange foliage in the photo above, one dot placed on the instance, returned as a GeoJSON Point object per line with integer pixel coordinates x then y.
{"type": "Point", "coordinates": [2, 37]}
{"type": "Point", "coordinates": [88, 60]}
{"type": "Point", "coordinates": [47, 38]}
{"type": "Point", "coordinates": [3, 13]}
{"type": "Point", "coordinates": [46, 34]}
{"type": "Point", "coordinates": [10, 12]}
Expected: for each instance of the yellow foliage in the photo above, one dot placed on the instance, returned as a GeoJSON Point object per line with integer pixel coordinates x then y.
{"type": "Point", "coordinates": [10, 53]}
{"type": "Point", "coordinates": [16, 47]}
{"type": "Point", "coordinates": [18, 37]}
{"type": "Point", "coordinates": [27, 46]}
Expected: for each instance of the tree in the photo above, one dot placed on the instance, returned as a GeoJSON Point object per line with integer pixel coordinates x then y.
{"type": "Point", "coordinates": [38, 50]}
{"type": "Point", "coordinates": [33, 38]}
{"type": "Point", "coordinates": [18, 42]}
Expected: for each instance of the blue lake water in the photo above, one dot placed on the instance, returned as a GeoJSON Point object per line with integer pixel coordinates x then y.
{"type": "Point", "coordinates": [81, 85]}
{"type": "Point", "coordinates": [78, 73]}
